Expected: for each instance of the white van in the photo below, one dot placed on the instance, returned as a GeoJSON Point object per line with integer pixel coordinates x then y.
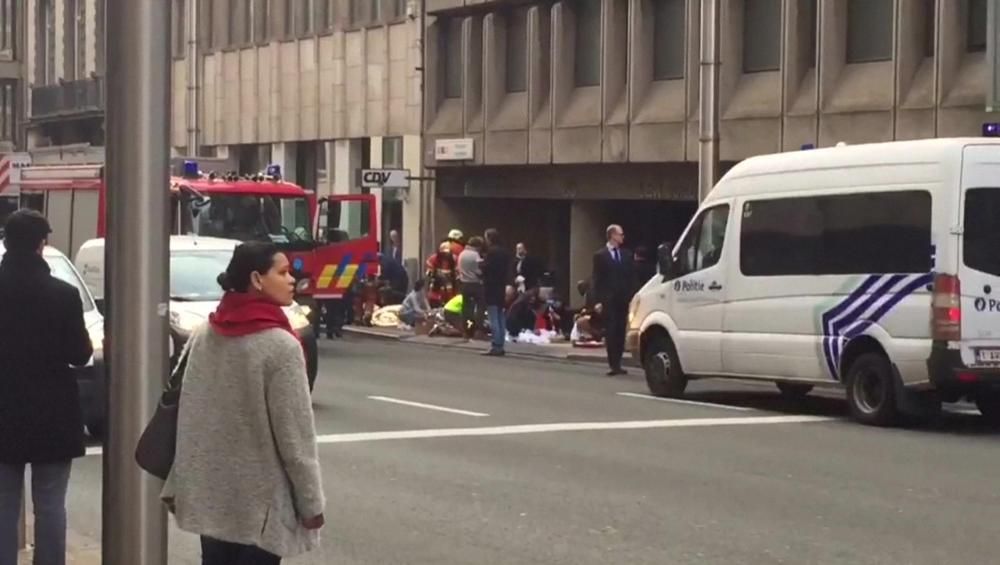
{"type": "Point", "coordinates": [195, 264]}
{"type": "Point", "coordinates": [876, 267]}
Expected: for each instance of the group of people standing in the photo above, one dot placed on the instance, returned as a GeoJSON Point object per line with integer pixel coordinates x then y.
{"type": "Point", "coordinates": [474, 274]}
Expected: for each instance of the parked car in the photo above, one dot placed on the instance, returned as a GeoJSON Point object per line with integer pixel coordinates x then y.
{"type": "Point", "coordinates": [195, 263]}
{"type": "Point", "coordinates": [89, 378]}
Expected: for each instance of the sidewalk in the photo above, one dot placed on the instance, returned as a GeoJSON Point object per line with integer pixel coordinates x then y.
{"type": "Point", "coordinates": [559, 351]}
{"type": "Point", "coordinates": [79, 551]}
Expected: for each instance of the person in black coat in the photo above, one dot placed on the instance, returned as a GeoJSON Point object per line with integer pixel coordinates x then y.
{"type": "Point", "coordinates": [496, 267]}
{"type": "Point", "coordinates": [42, 333]}
{"type": "Point", "coordinates": [528, 267]}
{"type": "Point", "coordinates": [613, 282]}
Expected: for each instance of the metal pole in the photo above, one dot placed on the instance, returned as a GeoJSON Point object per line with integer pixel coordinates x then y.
{"type": "Point", "coordinates": [708, 105]}
{"type": "Point", "coordinates": [22, 524]}
{"type": "Point", "coordinates": [137, 277]}
{"type": "Point", "coordinates": [191, 6]}
{"type": "Point", "coordinates": [993, 68]}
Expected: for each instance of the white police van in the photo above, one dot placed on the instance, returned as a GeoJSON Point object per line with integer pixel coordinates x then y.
{"type": "Point", "coordinates": [876, 267]}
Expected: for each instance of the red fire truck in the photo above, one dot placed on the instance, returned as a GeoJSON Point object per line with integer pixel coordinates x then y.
{"type": "Point", "coordinates": [332, 241]}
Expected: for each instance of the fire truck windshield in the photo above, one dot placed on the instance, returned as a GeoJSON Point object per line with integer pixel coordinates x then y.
{"type": "Point", "coordinates": [284, 221]}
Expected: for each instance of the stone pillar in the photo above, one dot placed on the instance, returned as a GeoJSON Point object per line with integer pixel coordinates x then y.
{"type": "Point", "coordinates": [587, 224]}
{"type": "Point", "coordinates": [283, 154]}
{"type": "Point", "coordinates": [346, 160]}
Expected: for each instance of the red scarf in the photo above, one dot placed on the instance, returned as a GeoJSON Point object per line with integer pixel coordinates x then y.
{"type": "Point", "coordinates": [241, 314]}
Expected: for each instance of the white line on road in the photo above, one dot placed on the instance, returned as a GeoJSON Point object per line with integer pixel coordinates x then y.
{"type": "Point", "coordinates": [682, 401]}
{"type": "Point", "coordinates": [558, 427]}
{"type": "Point", "coordinates": [428, 406]}
{"type": "Point", "coordinates": [568, 427]}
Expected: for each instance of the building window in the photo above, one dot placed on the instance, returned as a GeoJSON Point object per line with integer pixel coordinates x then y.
{"type": "Point", "coordinates": [240, 22]}
{"type": "Point", "coordinates": [451, 48]}
{"type": "Point", "coordinates": [46, 60]}
{"type": "Point", "coordinates": [8, 27]}
{"type": "Point", "coordinates": [101, 38]}
{"type": "Point", "coordinates": [848, 234]}
{"type": "Point", "coordinates": [179, 30]}
{"type": "Point", "coordinates": [261, 13]}
{"type": "Point", "coordinates": [288, 23]}
{"type": "Point", "coordinates": [761, 35]}
{"type": "Point", "coordinates": [354, 15]}
{"type": "Point", "coordinates": [869, 31]}
{"type": "Point", "coordinates": [808, 12]}
{"type": "Point", "coordinates": [517, 50]}
{"type": "Point", "coordinates": [8, 111]}
{"type": "Point", "coordinates": [208, 36]}
{"type": "Point", "coordinates": [930, 26]}
{"type": "Point", "coordinates": [587, 62]}
{"type": "Point", "coordinates": [304, 11]}
{"type": "Point", "coordinates": [976, 40]}
{"type": "Point", "coordinates": [669, 27]}
{"type": "Point", "coordinates": [392, 152]}
{"type": "Point", "coordinates": [398, 8]}
{"type": "Point", "coordinates": [375, 11]}
{"type": "Point", "coordinates": [75, 39]}
{"type": "Point", "coordinates": [322, 15]}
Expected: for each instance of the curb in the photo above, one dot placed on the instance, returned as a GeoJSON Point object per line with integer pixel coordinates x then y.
{"type": "Point", "coordinates": [571, 357]}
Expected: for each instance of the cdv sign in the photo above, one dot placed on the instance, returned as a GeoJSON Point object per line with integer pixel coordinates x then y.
{"type": "Point", "coordinates": [385, 178]}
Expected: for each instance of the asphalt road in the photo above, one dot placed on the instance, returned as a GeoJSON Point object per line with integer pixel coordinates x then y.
{"type": "Point", "coordinates": [522, 462]}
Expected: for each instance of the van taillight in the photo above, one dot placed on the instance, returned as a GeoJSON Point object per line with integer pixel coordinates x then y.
{"type": "Point", "coordinates": [947, 306]}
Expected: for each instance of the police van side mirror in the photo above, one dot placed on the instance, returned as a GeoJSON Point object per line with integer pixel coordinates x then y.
{"type": "Point", "coordinates": [665, 260]}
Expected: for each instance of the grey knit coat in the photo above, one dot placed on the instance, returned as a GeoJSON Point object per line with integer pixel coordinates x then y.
{"type": "Point", "coordinates": [247, 469]}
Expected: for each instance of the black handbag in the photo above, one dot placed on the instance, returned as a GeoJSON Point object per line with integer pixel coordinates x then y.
{"type": "Point", "coordinates": [158, 443]}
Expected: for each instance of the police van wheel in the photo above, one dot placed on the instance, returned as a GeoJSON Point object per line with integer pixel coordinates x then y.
{"type": "Point", "coordinates": [664, 375]}
{"type": "Point", "coordinates": [871, 391]}
{"type": "Point", "coordinates": [794, 391]}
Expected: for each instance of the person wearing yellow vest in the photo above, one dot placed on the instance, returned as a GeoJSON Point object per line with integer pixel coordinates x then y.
{"type": "Point", "coordinates": [453, 312]}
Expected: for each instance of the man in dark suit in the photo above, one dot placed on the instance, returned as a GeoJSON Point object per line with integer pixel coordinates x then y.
{"type": "Point", "coordinates": [613, 285]}
{"type": "Point", "coordinates": [395, 249]}
{"type": "Point", "coordinates": [42, 333]}
{"type": "Point", "coordinates": [528, 267]}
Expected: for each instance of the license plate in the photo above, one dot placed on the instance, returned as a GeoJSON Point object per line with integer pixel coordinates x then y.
{"type": "Point", "coordinates": [988, 355]}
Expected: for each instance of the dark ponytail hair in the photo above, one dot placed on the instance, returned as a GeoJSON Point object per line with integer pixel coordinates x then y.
{"type": "Point", "coordinates": [248, 258]}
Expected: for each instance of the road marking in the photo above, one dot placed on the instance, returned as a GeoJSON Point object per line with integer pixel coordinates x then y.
{"type": "Point", "coordinates": [682, 401]}
{"type": "Point", "coordinates": [428, 406]}
{"type": "Point", "coordinates": [568, 427]}
{"type": "Point", "coordinates": [358, 437]}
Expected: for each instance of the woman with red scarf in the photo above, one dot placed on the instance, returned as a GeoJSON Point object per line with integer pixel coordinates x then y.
{"type": "Point", "coordinates": [246, 474]}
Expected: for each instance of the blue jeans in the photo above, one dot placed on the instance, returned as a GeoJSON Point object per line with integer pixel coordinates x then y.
{"type": "Point", "coordinates": [498, 326]}
{"type": "Point", "coordinates": [49, 483]}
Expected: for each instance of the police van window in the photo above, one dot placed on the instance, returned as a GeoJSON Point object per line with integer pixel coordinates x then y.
{"type": "Point", "coordinates": [981, 239]}
{"type": "Point", "coordinates": [702, 247]}
{"type": "Point", "coordinates": [864, 233]}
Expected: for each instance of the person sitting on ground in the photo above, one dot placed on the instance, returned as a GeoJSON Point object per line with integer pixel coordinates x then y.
{"type": "Point", "coordinates": [415, 307]}
{"type": "Point", "coordinates": [449, 323]}
{"type": "Point", "coordinates": [588, 322]}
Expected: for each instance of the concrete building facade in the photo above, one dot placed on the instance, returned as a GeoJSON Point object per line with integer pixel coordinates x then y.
{"type": "Point", "coordinates": [585, 112]}
{"type": "Point", "coordinates": [13, 99]}
{"type": "Point", "coordinates": [320, 87]}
